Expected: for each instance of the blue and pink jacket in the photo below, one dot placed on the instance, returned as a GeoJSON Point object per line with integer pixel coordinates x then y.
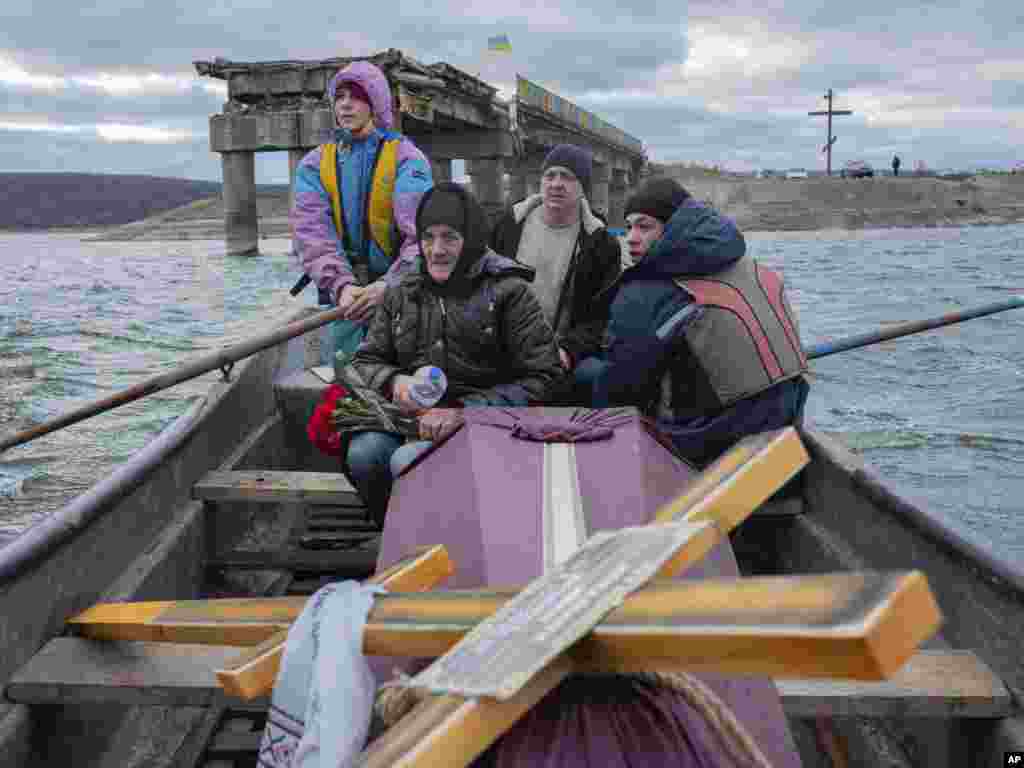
{"type": "Point", "coordinates": [317, 244]}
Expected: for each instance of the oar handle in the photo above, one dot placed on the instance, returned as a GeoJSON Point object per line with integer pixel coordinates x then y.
{"type": "Point", "coordinates": [204, 364]}
{"type": "Point", "coordinates": [905, 329]}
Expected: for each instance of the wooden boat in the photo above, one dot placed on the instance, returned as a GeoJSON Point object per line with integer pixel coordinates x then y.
{"type": "Point", "coordinates": [233, 500]}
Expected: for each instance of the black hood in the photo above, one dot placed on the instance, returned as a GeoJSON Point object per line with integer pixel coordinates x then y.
{"type": "Point", "coordinates": [474, 231]}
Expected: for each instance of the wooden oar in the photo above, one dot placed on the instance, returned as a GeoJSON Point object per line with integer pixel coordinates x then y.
{"type": "Point", "coordinates": [212, 361]}
{"type": "Point", "coordinates": [231, 355]}
{"type": "Point", "coordinates": [906, 329]}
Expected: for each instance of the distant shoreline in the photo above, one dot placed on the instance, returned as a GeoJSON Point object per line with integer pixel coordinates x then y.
{"type": "Point", "coordinates": [757, 205]}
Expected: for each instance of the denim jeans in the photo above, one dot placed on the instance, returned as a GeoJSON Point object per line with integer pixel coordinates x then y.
{"type": "Point", "coordinates": [583, 378]}
{"type": "Point", "coordinates": [374, 459]}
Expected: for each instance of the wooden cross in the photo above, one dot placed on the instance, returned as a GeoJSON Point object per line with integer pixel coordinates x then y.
{"type": "Point", "coordinates": [728, 490]}
{"type": "Point", "coordinates": [827, 149]}
{"type": "Point", "coordinates": [856, 625]}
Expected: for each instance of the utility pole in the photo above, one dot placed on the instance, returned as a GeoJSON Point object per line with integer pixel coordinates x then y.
{"type": "Point", "coordinates": [827, 149]}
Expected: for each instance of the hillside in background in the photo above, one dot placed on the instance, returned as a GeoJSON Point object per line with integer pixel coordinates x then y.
{"type": "Point", "coordinates": [44, 200]}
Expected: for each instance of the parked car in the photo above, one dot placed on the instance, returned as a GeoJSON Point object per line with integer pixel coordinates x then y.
{"type": "Point", "coordinates": [798, 173]}
{"type": "Point", "coordinates": [857, 169]}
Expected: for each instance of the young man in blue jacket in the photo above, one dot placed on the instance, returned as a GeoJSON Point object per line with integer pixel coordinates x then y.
{"type": "Point", "coordinates": [700, 337]}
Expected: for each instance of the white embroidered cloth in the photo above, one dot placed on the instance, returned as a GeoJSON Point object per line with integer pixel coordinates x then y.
{"type": "Point", "coordinates": [322, 703]}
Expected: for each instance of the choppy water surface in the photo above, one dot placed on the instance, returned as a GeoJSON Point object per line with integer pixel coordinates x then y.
{"type": "Point", "coordinates": [940, 414]}
{"type": "Point", "coordinates": [82, 320]}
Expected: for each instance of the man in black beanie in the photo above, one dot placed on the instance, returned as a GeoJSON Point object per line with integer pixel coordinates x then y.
{"type": "Point", "coordinates": [700, 337]}
{"type": "Point", "coordinates": [576, 259]}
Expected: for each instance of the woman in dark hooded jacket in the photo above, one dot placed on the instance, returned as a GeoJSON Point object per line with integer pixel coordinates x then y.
{"type": "Point", "coordinates": [468, 311]}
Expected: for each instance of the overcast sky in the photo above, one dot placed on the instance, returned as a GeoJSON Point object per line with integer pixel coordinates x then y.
{"type": "Point", "coordinates": [109, 86]}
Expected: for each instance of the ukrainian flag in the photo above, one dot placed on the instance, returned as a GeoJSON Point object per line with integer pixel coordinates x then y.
{"type": "Point", "coordinates": [499, 43]}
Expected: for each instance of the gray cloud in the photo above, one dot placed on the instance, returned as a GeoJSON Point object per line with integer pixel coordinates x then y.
{"type": "Point", "coordinates": [84, 153]}
{"type": "Point", "coordinates": [77, 103]}
{"type": "Point", "coordinates": [726, 82]}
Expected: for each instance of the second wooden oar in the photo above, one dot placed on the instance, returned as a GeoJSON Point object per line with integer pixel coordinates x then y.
{"type": "Point", "coordinates": [905, 329]}
{"type": "Point", "coordinates": [238, 352]}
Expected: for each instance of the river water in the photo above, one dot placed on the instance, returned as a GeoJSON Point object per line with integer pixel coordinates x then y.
{"type": "Point", "coordinates": [940, 414]}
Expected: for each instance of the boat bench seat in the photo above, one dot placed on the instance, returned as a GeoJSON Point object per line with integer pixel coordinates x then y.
{"type": "Point", "coordinates": [73, 670]}
{"type": "Point", "coordinates": [275, 486]}
{"type": "Point", "coordinates": [934, 683]}
{"type": "Point", "coordinates": [780, 509]}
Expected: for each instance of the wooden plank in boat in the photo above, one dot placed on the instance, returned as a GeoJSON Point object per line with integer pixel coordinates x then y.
{"type": "Point", "coordinates": [275, 486]}
{"type": "Point", "coordinates": [72, 670]}
{"type": "Point", "coordinates": [931, 684]}
{"type": "Point", "coordinates": [780, 509]}
{"type": "Point", "coordinates": [344, 563]}
{"type": "Point", "coordinates": [354, 520]}
{"type": "Point", "coordinates": [234, 744]}
{"type": "Point", "coordinates": [335, 540]}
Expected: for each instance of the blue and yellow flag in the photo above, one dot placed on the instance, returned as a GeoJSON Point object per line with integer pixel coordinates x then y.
{"type": "Point", "coordinates": [499, 43]}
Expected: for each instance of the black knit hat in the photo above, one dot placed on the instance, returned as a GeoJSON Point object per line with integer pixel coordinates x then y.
{"type": "Point", "coordinates": [658, 197]}
{"type": "Point", "coordinates": [450, 203]}
{"type": "Point", "coordinates": [576, 159]}
{"type": "Point", "coordinates": [444, 205]}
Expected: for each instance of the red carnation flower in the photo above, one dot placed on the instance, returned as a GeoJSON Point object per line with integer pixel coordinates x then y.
{"type": "Point", "coordinates": [319, 429]}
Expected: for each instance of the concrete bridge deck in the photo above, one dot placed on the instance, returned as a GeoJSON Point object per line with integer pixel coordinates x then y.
{"type": "Point", "coordinates": [448, 113]}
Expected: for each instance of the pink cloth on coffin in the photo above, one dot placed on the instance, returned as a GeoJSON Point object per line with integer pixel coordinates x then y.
{"type": "Point", "coordinates": [480, 493]}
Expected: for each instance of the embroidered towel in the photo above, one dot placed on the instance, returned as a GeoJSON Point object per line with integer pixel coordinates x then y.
{"type": "Point", "coordinates": [323, 699]}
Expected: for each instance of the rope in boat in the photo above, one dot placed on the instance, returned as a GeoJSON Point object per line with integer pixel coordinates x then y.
{"type": "Point", "coordinates": [729, 731]}
{"type": "Point", "coordinates": [395, 699]}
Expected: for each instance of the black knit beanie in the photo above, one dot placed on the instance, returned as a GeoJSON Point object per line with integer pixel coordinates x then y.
{"type": "Point", "coordinates": [576, 159]}
{"type": "Point", "coordinates": [450, 203]}
{"type": "Point", "coordinates": [658, 198]}
{"type": "Point", "coordinates": [443, 205]}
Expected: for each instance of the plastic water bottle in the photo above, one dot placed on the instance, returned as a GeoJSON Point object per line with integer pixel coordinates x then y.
{"type": "Point", "coordinates": [428, 386]}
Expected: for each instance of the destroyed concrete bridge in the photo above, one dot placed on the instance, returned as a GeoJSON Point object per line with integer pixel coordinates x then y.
{"type": "Point", "coordinates": [448, 113]}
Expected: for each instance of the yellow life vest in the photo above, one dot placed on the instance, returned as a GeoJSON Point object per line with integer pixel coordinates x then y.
{"type": "Point", "coordinates": [379, 214]}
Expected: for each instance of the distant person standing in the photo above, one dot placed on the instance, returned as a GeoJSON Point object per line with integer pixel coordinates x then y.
{"type": "Point", "coordinates": [895, 165]}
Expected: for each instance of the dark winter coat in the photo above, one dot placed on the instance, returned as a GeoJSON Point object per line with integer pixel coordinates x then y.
{"type": "Point", "coordinates": [484, 328]}
{"type": "Point", "coordinates": [697, 242]}
{"type": "Point", "coordinates": [595, 265]}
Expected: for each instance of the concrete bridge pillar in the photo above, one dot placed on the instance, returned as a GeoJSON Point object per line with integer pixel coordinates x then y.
{"type": "Point", "coordinates": [240, 216]}
{"type": "Point", "coordinates": [517, 185]}
{"type": "Point", "coordinates": [294, 158]}
{"type": "Point", "coordinates": [487, 179]}
{"type": "Point", "coordinates": [599, 184]}
{"type": "Point", "coordinates": [533, 182]}
{"type": "Point", "coordinates": [441, 169]}
{"type": "Point", "coordinates": [524, 178]}
{"type": "Point", "coordinates": [618, 192]}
